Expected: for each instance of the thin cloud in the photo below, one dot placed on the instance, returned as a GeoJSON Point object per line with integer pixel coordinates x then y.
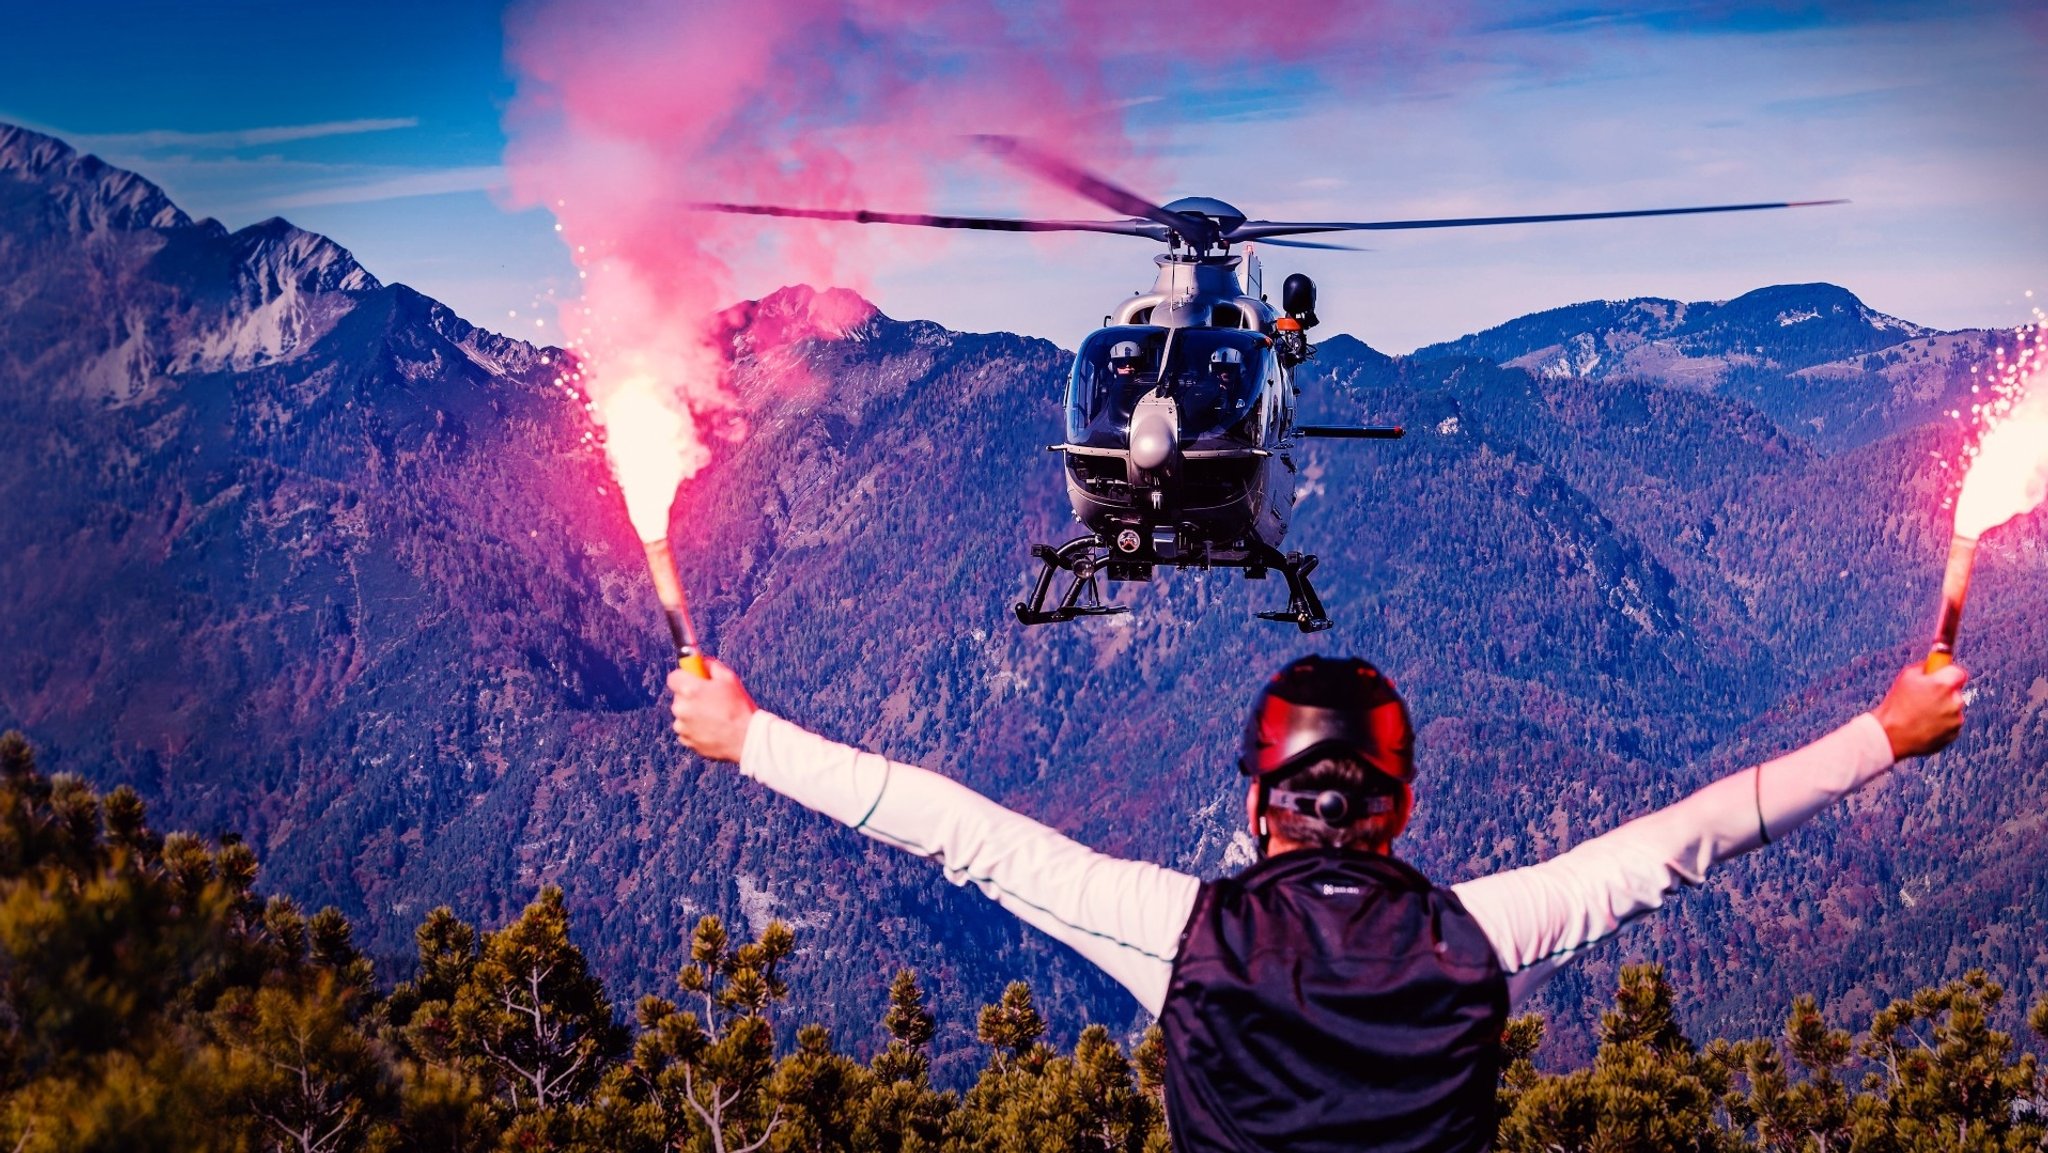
{"type": "Point", "coordinates": [429, 182]}
{"type": "Point", "coordinates": [159, 138]}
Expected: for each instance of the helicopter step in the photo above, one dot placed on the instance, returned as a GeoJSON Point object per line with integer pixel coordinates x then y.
{"type": "Point", "coordinates": [1085, 559]}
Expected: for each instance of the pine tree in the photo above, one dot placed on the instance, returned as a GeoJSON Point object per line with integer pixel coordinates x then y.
{"type": "Point", "coordinates": [529, 1017]}
{"type": "Point", "coordinates": [422, 1010]}
{"type": "Point", "coordinates": [1114, 1111]}
{"type": "Point", "coordinates": [1942, 1079]}
{"type": "Point", "coordinates": [901, 1110]}
{"type": "Point", "coordinates": [1649, 1088]}
{"type": "Point", "coordinates": [1518, 1043]}
{"type": "Point", "coordinates": [1013, 1028]}
{"type": "Point", "coordinates": [296, 1061]}
{"type": "Point", "coordinates": [822, 1096]}
{"type": "Point", "coordinates": [703, 1079]}
{"type": "Point", "coordinates": [1150, 1059]}
{"type": "Point", "coordinates": [1783, 1114]}
{"type": "Point", "coordinates": [1030, 1097]}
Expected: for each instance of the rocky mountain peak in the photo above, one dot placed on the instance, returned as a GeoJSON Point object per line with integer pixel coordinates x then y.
{"type": "Point", "coordinates": [88, 194]}
{"type": "Point", "coordinates": [797, 313]}
{"type": "Point", "coordinates": [277, 253]}
{"type": "Point", "coordinates": [1786, 305]}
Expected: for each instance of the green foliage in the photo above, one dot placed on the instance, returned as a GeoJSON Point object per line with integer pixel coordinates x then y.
{"type": "Point", "coordinates": [1649, 1088]}
{"type": "Point", "coordinates": [149, 1000]}
{"type": "Point", "coordinates": [1944, 1079]}
{"type": "Point", "coordinates": [529, 1018]}
{"type": "Point", "coordinates": [1032, 1097]}
{"type": "Point", "coordinates": [1936, 1078]}
{"type": "Point", "coordinates": [699, 1077]}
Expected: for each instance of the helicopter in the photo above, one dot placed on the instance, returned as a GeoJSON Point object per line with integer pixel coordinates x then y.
{"type": "Point", "coordinates": [1180, 410]}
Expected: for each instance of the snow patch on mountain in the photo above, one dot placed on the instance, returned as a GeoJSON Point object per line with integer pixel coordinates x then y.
{"type": "Point", "coordinates": [1576, 358]}
{"type": "Point", "coordinates": [126, 372]}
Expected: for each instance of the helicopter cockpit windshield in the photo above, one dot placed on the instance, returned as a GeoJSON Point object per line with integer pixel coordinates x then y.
{"type": "Point", "coordinates": [1214, 375]}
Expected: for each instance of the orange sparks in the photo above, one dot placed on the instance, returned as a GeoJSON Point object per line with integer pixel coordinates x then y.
{"type": "Point", "coordinates": [2008, 469]}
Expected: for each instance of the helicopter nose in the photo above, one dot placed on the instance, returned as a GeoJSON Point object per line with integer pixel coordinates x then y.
{"type": "Point", "coordinates": [1154, 433]}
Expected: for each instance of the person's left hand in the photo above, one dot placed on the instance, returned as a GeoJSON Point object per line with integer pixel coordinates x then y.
{"type": "Point", "coordinates": [711, 715]}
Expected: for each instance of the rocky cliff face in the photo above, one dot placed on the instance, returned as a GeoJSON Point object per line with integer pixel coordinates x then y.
{"type": "Point", "coordinates": [310, 560]}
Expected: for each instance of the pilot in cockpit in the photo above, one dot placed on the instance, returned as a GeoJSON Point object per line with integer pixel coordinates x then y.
{"type": "Point", "coordinates": [1124, 362]}
{"type": "Point", "coordinates": [1226, 369]}
{"type": "Point", "coordinates": [1206, 400]}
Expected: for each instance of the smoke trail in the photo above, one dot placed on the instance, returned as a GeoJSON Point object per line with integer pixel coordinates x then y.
{"type": "Point", "coordinates": [628, 109]}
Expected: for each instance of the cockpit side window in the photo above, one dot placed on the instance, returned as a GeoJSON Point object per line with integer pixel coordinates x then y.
{"type": "Point", "coordinates": [1217, 376]}
{"type": "Point", "coordinates": [1115, 367]}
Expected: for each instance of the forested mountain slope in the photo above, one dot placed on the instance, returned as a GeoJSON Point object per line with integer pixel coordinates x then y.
{"type": "Point", "coordinates": [307, 558]}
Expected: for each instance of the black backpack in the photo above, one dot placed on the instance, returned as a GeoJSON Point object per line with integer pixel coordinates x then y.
{"type": "Point", "coordinates": [1332, 1000]}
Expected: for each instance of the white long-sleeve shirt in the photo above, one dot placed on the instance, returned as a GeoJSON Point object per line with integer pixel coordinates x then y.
{"type": "Point", "coordinates": [1127, 916]}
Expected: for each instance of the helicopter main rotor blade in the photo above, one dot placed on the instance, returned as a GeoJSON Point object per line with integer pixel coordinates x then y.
{"type": "Point", "coordinates": [1311, 244]}
{"type": "Point", "coordinates": [1143, 228]}
{"type": "Point", "coordinates": [1196, 230]}
{"type": "Point", "coordinates": [1264, 229]}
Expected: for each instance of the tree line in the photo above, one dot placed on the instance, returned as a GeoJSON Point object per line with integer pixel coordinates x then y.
{"type": "Point", "coordinates": [150, 999]}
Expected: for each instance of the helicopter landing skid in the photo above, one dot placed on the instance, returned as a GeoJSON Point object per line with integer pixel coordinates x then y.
{"type": "Point", "coordinates": [1084, 594]}
{"type": "Point", "coordinates": [1304, 607]}
{"type": "Point", "coordinates": [1083, 598]}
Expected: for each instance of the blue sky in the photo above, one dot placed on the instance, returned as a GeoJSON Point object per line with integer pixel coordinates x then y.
{"type": "Point", "coordinates": [379, 124]}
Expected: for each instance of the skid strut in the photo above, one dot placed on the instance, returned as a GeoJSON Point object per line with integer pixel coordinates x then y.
{"type": "Point", "coordinates": [1304, 607]}
{"type": "Point", "coordinates": [1083, 597]}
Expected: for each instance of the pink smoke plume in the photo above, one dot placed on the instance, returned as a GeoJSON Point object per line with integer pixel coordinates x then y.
{"type": "Point", "coordinates": [628, 110]}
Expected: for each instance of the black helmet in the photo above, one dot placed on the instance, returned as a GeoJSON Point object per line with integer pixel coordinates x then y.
{"type": "Point", "coordinates": [1317, 706]}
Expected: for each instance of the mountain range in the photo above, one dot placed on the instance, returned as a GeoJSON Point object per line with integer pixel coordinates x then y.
{"type": "Point", "coordinates": [311, 561]}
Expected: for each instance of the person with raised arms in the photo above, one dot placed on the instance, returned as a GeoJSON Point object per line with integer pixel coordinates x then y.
{"type": "Point", "coordinates": [1329, 996]}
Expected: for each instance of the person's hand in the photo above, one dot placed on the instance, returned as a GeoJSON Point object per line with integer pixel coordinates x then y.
{"type": "Point", "coordinates": [1922, 711]}
{"type": "Point", "coordinates": [711, 715]}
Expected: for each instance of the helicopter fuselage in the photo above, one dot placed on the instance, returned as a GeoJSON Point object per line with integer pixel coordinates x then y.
{"type": "Point", "coordinates": [1185, 457]}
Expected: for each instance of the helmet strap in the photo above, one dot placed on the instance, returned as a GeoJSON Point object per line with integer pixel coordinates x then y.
{"type": "Point", "coordinates": [1264, 834]}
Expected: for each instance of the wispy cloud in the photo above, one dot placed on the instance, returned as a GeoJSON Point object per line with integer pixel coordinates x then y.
{"type": "Point", "coordinates": [161, 138]}
{"type": "Point", "coordinates": [398, 186]}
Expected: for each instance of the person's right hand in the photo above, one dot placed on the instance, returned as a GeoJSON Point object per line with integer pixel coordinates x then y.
{"type": "Point", "coordinates": [712, 713]}
{"type": "Point", "coordinates": [1922, 711]}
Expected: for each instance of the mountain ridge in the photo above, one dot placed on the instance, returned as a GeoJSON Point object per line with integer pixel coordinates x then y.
{"type": "Point", "coordinates": [353, 588]}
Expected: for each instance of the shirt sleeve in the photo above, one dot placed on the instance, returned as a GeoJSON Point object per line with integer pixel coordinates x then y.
{"type": "Point", "coordinates": [1125, 916]}
{"type": "Point", "coordinates": [1538, 917]}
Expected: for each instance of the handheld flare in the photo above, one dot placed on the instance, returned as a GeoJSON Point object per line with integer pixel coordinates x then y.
{"type": "Point", "coordinates": [668, 587]}
{"type": "Point", "coordinates": [2006, 476]}
{"type": "Point", "coordinates": [1955, 585]}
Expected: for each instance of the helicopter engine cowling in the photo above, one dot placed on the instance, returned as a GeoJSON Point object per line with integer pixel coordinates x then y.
{"type": "Point", "coordinates": [1155, 435]}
